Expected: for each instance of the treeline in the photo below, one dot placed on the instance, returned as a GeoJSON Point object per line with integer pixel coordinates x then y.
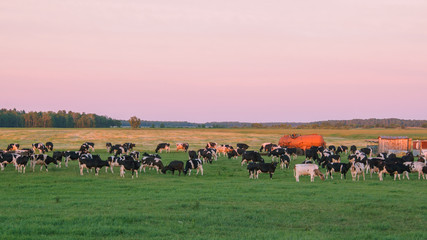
{"type": "Point", "coordinates": [60, 119]}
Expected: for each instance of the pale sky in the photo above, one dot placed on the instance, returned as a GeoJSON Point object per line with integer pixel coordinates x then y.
{"type": "Point", "coordinates": [222, 60]}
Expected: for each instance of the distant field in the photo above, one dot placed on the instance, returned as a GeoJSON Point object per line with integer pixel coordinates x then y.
{"type": "Point", "coordinates": [147, 139]}
{"type": "Point", "coordinates": [222, 204]}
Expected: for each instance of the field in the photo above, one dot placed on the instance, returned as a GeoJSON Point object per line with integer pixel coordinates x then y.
{"type": "Point", "coordinates": [222, 204]}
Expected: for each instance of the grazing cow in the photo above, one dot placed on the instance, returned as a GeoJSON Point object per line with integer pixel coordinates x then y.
{"type": "Point", "coordinates": [113, 161]}
{"type": "Point", "coordinates": [311, 154]}
{"type": "Point", "coordinates": [39, 146]}
{"type": "Point", "coordinates": [394, 169]}
{"type": "Point", "coordinates": [89, 161]}
{"type": "Point", "coordinates": [49, 146]}
{"type": "Point", "coordinates": [174, 165]}
{"type": "Point", "coordinates": [57, 155]}
{"type": "Point", "coordinates": [206, 155]}
{"type": "Point", "coordinates": [84, 149]}
{"type": "Point", "coordinates": [129, 146]}
{"type": "Point", "coordinates": [118, 150]}
{"type": "Point", "coordinates": [353, 149]}
{"type": "Point", "coordinates": [193, 164]}
{"type": "Point", "coordinates": [182, 146]}
{"type": "Point", "coordinates": [276, 153]}
{"type": "Point", "coordinates": [325, 159]}
{"type": "Point", "coordinates": [243, 146]}
{"type": "Point", "coordinates": [285, 161]}
{"type": "Point", "coordinates": [43, 160]}
{"type": "Point", "coordinates": [337, 167]}
{"type": "Point", "coordinates": [341, 149]}
{"type": "Point", "coordinates": [222, 149]}
{"type": "Point", "coordinates": [263, 146]}
{"type": "Point", "coordinates": [163, 146]}
{"type": "Point", "coordinates": [21, 163]}
{"type": "Point", "coordinates": [232, 154]}
{"type": "Point", "coordinates": [151, 162]}
{"type": "Point", "coordinates": [71, 155]}
{"type": "Point", "coordinates": [356, 170]}
{"type": "Point", "coordinates": [251, 156]}
{"type": "Point", "coordinates": [129, 164]}
{"type": "Point", "coordinates": [307, 169]}
{"type": "Point", "coordinates": [91, 145]}
{"type": "Point", "coordinates": [12, 147]}
{"type": "Point", "coordinates": [256, 168]}
{"type": "Point", "coordinates": [332, 148]}
{"type": "Point", "coordinates": [135, 155]}
{"type": "Point", "coordinates": [270, 147]}
{"type": "Point", "coordinates": [211, 145]}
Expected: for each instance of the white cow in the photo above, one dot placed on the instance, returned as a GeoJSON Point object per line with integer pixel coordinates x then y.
{"type": "Point", "coordinates": [307, 169]}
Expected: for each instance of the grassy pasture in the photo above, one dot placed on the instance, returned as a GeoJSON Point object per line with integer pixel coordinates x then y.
{"type": "Point", "coordinates": [222, 204]}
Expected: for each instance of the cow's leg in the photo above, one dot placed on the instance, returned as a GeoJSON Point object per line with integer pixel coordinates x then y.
{"type": "Point", "coordinates": [41, 168]}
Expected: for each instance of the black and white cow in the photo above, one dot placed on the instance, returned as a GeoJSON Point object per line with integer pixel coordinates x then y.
{"type": "Point", "coordinates": [151, 162]}
{"type": "Point", "coordinates": [71, 155]}
{"type": "Point", "coordinates": [91, 145]}
{"type": "Point", "coordinates": [174, 166]}
{"type": "Point", "coordinates": [43, 160]}
{"type": "Point", "coordinates": [90, 161]}
{"type": "Point", "coordinates": [57, 155]}
{"type": "Point", "coordinates": [367, 151]}
{"type": "Point", "coordinates": [285, 161]}
{"type": "Point", "coordinates": [207, 154]}
{"type": "Point", "coordinates": [332, 148]}
{"type": "Point", "coordinates": [129, 146]}
{"type": "Point", "coordinates": [193, 164]}
{"type": "Point", "coordinates": [292, 152]}
{"type": "Point", "coordinates": [39, 146]}
{"type": "Point", "coordinates": [49, 146]}
{"type": "Point", "coordinates": [276, 153]}
{"type": "Point", "coordinates": [255, 168]}
{"type": "Point", "coordinates": [337, 167]}
{"type": "Point", "coordinates": [263, 146]}
{"type": "Point", "coordinates": [251, 156]}
{"type": "Point", "coordinates": [394, 169]}
{"type": "Point", "coordinates": [129, 164]}
{"type": "Point", "coordinates": [311, 154]}
{"type": "Point", "coordinates": [21, 163]}
{"type": "Point", "coordinates": [118, 150]}
{"type": "Point", "coordinates": [232, 154]}
{"type": "Point", "coordinates": [12, 147]}
{"type": "Point", "coordinates": [163, 146]}
{"type": "Point", "coordinates": [8, 158]}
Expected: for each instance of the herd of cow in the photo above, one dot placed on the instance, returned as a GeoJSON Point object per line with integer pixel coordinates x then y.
{"type": "Point", "coordinates": [123, 156]}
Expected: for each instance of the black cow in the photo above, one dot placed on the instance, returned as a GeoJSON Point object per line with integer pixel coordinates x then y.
{"type": "Point", "coordinates": [242, 145]}
{"type": "Point", "coordinates": [163, 146]}
{"type": "Point", "coordinates": [256, 168]}
{"type": "Point", "coordinates": [174, 165]}
{"type": "Point", "coordinates": [135, 155]}
{"type": "Point", "coordinates": [292, 152]}
{"type": "Point", "coordinates": [232, 154]}
{"type": "Point", "coordinates": [409, 157]}
{"type": "Point", "coordinates": [39, 146]}
{"type": "Point", "coordinates": [206, 154]}
{"type": "Point", "coordinates": [251, 156]}
{"type": "Point", "coordinates": [270, 147]}
{"type": "Point", "coordinates": [193, 164]}
{"type": "Point", "coordinates": [89, 161]}
{"type": "Point", "coordinates": [49, 146]}
{"type": "Point", "coordinates": [21, 163]}
{"type": "Point", "coordinates": [129, 164]}
{"type": "Point", "coordinates": [332, 148]}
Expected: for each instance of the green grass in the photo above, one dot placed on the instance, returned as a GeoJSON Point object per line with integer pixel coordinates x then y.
{"type": "Point", "coordinates": [222, 204]}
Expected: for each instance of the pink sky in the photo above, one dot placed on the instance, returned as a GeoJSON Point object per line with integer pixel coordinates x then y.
{"type": "Point", "coordinates": [223, 60]}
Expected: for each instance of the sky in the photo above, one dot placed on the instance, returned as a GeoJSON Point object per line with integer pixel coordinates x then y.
{"type": "Point", "coordinates": [222, 60]}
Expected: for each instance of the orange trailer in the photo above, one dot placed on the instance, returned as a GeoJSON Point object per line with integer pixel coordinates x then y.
{"type": "Point", "coordinates": [302, 141]}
